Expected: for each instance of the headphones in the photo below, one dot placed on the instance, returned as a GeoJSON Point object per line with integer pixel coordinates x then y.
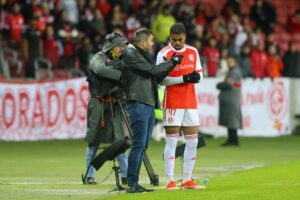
{"type": "Point", "coordinates": [109, 37]}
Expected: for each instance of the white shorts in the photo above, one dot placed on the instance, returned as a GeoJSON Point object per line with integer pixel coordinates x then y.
{"type": "Point", "coordinates": [181, 117]}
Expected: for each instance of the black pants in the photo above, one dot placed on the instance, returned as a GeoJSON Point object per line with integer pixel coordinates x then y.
{"type": "Point", "coordinates": [232, 136]}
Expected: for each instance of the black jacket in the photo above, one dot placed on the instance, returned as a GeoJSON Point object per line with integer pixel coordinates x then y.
{"type": "Point", "coordinates": [140, 76]}
{"type": "Point", "coordinates": [291, 62]}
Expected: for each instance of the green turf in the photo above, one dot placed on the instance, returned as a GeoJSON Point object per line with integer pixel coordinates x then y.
{"type": "Point", "coordinates": [262, 168]}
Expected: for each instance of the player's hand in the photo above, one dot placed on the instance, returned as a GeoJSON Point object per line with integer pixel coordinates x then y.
{"type": "Point", "coordinates": [193, 77]}
{"type": "Point", "coordinates": [176, 59]}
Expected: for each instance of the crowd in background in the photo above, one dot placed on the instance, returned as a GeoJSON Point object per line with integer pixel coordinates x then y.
{"type": "Point", "coordinates": [69, 32]}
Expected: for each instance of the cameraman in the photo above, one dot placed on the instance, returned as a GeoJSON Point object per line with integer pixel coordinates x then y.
{"type": "Point", "coordinates": [104, 116]}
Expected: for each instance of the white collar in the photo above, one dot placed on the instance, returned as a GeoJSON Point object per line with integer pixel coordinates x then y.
{"type": "Point", "coordinates": [180, 50]}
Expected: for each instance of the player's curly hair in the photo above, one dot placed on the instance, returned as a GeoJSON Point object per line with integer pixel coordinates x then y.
{"type": "Point", "coordinates": [177, 28]}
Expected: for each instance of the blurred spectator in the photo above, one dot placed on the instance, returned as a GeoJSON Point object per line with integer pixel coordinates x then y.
{"type": "Point", "coordinates": [199, 33]}
{"type": "Point", "coordinates": [116, 20]}
{"type": "Point", "coordinates": [61, 21]}
{"type": "Point", "coordinates": [53, 49]}
{"type": "Point", "coordinates": [46, 17]}
{"type": "Point", "coordinates": [68, 35]}
{"type": "Point", "coordinates": [223, 66]}
{"type": "Point", "coordinates": [264, 15]}
{"type": "Point", "coordinates": [59, 15]}
{"type": "Point", "coordinates": [50, 3]}
{"type": "Point", "coordinates": [104, 7]}
{"type": "Point", "coordinates": [96, 40]}
{"type": "Point", "coordinates": [216, 28]}
{"type": "Point", "coordinates": [154, 8]}
{"type": "Point", "coordinates": [81, 6]}
{"type": "Point", "coordinates": [241, 38]}
{"type": "Point", "coordinates": [231, 7]}
{"type": "Point", "coordinates": [32, 46]}
{"type": "Point", "coordinates": [138, 4]}
{"type": "Point", "coordinates": [124, 4]}
{"type": "Point", "coordinates": [2, 59]}
{"type": "Point", "coordinates": [275, 65]}
{"type": "Point", "coordinates": [212, 56]}
{"type": "Point", "coordinates": [162, 24]}
{"type": "Point", "coordinates": [243, 60]}
{"type": "Point", "coordinates": [70, 6]}
{"type": "Point", "coordinates": [144, 17]}
{"type": "Point", "coordinates": [97, 25]}
{"type": "Point", "coordinates": [291, 61]}
{"type": "Point", "coordinates": [197, 44]}
{"type": "Point", "coordinates": [177, 11]}
{"type": "Point", "coordinates": [3, 16]}
{"type": "Point", "coordinates": [85, 54]}
{"type": "Point", "coordinates": [83, 25]}
{"type": "Point", "coordinates": [234, 25]}
{"type": "Point", "coordinates": [90, 10]}
{"type": "Point", "coordinates": [184, 12]}
{"type": "Point", "coordinates": [15, 22]}
{"type": "Point", "coordinates": [132, 24]}
{"type": "Point", "coordinates": [39, 23]}
{"type": "Point", "coordinates": [200, 15]}
{"type": "Point", "coordinates": [246, 21]}
{"type": "Point", "coordinates": [259, 61]}
{"type": "Point", "coordinates": [30, 8]}
{"type": "Point", "coordinates": [293, 24]}
{"type": "Point", "coordinates": [254, 37]}
{"type": "Point", "coordinates": [189, 22]}
{"type": "Point", "coordinates": [226, 43]}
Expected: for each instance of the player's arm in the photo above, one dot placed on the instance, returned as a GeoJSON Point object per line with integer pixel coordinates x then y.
{"type": "Point", "coordinates": [167, 81]}
{"type": "Point", "coordinates": [134, 61]}
{"type": "Point", "coordinates": [199, 66]}
{"type": "Point", "coordinates": [197, 75]}
{"type": "Point", "coordinates": [193, 77]}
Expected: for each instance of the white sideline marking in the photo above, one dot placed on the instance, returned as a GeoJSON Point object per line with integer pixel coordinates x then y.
{"type": "Point", "coordinates": [143, 180]}
{"type": "Point", "coordinates": [22, 182]}
{"type": "Point", "coordinates": [41, 183]}
{"type": "Point", "coordinates": [232, 167]}
{"type": "Point", "coordinates": [69, 191]}
{"type": "Point", "coordinates": [279, 184]}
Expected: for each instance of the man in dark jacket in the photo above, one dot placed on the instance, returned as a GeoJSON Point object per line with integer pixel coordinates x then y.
{"type": "Point", "coordinates": [264, 15]}
{"type": "Point", "coordinates": [230, 114]}
{"type": "Point", "coordinates": [139, 76]}
{"type": "Point", "coordinates": [32, 47]}
{"type": "Point", "coordinates": [105, 121]}
{"type": "Point", "coordinates": [291, 62]}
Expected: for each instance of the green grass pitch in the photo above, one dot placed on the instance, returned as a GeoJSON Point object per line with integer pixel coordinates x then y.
{"type": "Point", "coordinates": [261, 168]}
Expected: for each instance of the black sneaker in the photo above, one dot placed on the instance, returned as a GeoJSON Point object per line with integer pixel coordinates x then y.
{"type": "Point", "coordinates": [91, 181]}
{"type": "Point", "coordinates": [137, 189]}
